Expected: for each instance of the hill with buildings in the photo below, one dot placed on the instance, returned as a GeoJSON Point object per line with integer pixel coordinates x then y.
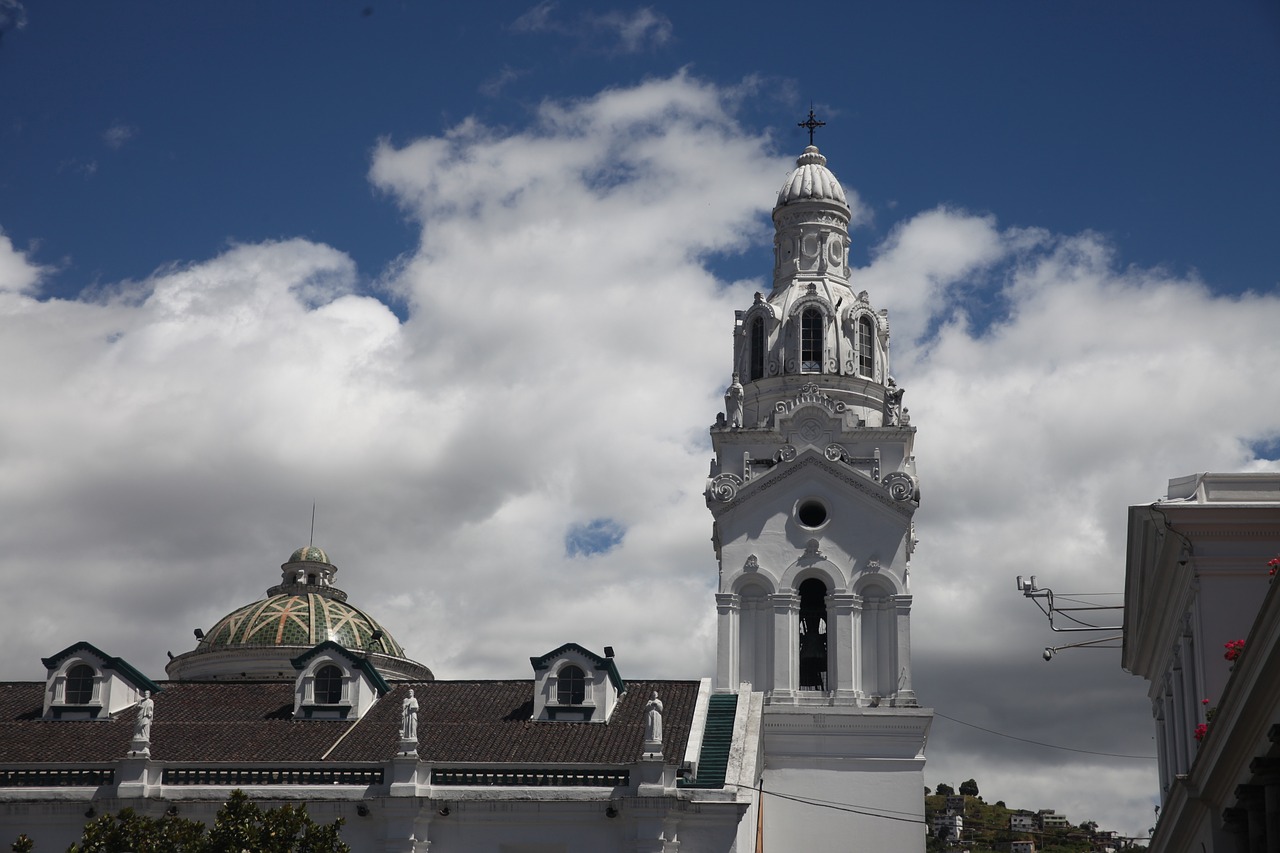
{"type": "Point", "coordinates": [967, 822]}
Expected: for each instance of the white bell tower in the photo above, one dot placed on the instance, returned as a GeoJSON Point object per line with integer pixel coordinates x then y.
{"type": "Point", "coordinates": [813, 488]}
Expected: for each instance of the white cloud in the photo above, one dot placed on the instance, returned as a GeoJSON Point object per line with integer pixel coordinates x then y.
{"type": "Point", "coordinates": [564, 350]}
{"type": "Point", "coordinates": [17, 273]}
{"type": "Point", "coordinates": [611, 32]}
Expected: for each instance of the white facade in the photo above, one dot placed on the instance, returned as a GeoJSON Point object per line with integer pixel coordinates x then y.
{"type": "Point", "coordinates": [1196, 579]}
{"type": "Point", "coordinates": [813, 489]}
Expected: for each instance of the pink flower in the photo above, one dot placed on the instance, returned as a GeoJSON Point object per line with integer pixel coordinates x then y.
{"type": "Point", "coordinates": [1274, 563]}
{"type": "Point", "coordinates": [1201, 731]}
{"type": "Point", "coordinates": [1234, 648]}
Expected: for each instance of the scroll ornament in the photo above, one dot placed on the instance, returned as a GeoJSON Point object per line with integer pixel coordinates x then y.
{"type": "Point", "coordinates": [902, 486]}
{"type": "Point", "coordinates": [724, 487]}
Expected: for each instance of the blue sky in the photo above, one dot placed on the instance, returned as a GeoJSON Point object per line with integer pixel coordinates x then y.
{"type": "Point", "coordinates": [465, 278]}
{"type": "Point", "coordinates": [1151, 123]}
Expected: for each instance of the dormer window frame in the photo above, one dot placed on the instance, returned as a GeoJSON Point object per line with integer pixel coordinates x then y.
{"type": "Point", "coordinates": [113, 684]}
{"type": "Point", "coordinates": [65, 706]}
{"type": "Point", "coordinates": [360, 684]}
{"type": "Point", "coordinates": [312, 708]}
{"type": "Point", "coordinates": [577, 680]}
{"type": "Point", "coordinates": [601, 686]}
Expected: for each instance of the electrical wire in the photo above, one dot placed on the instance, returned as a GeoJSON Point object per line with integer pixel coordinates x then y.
{"type": "Point", "coordinates": [1042, 743]}
{"type": "Point", "coordinates": [890, 814]}
{"type": "Point", "coordinates": [910, 817]}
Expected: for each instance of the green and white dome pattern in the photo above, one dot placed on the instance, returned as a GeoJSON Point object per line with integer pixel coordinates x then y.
{"type": "Point", "coordinates": [300, 619]}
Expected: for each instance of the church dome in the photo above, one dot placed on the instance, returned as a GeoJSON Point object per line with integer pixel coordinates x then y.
{"type": "Point", "coordinates": [304, 609]}
{"type": "Point", "coordinates": [303, 620]}
{"type": "Point", "coordinates": [811, 181]}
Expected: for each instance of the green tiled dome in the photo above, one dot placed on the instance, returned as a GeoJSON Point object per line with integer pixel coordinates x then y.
{"type": "Point", "coordinates": [300, 619]}
{"type": "Point", "coordinates": [309, 554]}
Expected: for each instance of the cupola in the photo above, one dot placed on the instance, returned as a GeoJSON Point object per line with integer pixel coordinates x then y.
{"type": "Point", "coordinates": [261, 639]}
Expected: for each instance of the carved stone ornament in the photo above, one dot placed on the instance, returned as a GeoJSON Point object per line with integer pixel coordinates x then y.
{"type": "Point", "coordinates": [835, 452]}
{"type": "Point", "coordinates": [810, 395]}
{"type": "Point", "coordinates": [901, 486]}
{"type": "Point", "coordinates": [873, 565]}
{"type": "Point", "coordinates": [812, 551]}
{"type": "Point", "coordinates": [751, 565]}
{"type": "Point", "coordinates": [787, 453]}
{"type": "Point", "coordinates": [724, 487]}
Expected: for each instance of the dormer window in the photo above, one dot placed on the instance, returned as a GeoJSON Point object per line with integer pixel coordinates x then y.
{"type": "Point", "coordinates": [811, 341]}
{"type": "Point", "coordinates": [571, 686]}
{"type": "Point", "coordinates": [78, 689]}
{"type": "Point", "coordinates": [328, 686]}
{"type": "Point", "coordinates": [335, 684]}
{"type": "Point", "coordinates": [84, 683]}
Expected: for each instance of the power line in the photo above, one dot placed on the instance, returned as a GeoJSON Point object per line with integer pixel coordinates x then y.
{"type": "Point", "coordinates": [1042, 743]}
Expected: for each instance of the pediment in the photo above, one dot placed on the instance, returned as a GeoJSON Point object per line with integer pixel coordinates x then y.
{"type": "Point", "coordinates": [894, 493]}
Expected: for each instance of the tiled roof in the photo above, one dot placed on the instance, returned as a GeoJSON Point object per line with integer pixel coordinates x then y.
{"type": "Point", "coordinates": [458, 722]}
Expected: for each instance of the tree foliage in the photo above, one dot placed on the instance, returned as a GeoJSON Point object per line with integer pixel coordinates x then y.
{"type": "Point", "coordinates": [240, 825]}
{"type": "Point", "coordinates": [944, 790]}
{"type": "Point", "coordinates": [969, 788]}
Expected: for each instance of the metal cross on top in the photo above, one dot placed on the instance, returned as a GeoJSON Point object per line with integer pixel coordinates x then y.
{"type": "Point", "coordinates": [811, 124]}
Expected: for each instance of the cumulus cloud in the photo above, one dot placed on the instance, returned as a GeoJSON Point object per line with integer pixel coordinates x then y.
{"type": "Point", "coordinates": [519, 461]}
{"type": "Point", "coordinates": [611, 32]}
{"type": "Point", "coordinates": [18, 275]}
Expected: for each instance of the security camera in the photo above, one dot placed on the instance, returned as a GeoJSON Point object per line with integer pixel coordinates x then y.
{"type": "Point", "coordinates": [1048, 653]}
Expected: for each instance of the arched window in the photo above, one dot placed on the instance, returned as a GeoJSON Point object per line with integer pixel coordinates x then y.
{"type": "Point", "coordinates": [80, 685]}
{"type": "Point", "coordinates": [757, 349]}
{"type": "Point", "coordinates": [866, 351]}
{"type": "Point", "coordinates": [328, 685]}
{"type": "Point", "coordinates": [813, 635]}
{"type": "Point", "coordinates": [571, 686]}
{"type": "Point", "coordinates": [811, 341]}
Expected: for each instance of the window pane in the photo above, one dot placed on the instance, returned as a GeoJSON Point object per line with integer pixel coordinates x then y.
{"type": "Point", "coordinates": [866, 359]}
{"type": "Point", "coordinates": [811, 341]}
{"type": "Point", "coordinates": [328, 686]}
{"type": "Point", "coordinates": [80, 685]}
{"type": "Point", "coordinates": [571, 686]}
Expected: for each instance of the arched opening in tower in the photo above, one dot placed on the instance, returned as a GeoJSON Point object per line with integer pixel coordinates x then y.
{"type": "Point", "coordinates": [813, 635]}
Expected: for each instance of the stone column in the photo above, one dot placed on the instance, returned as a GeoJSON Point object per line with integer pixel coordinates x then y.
{"type": "Point", "coordinates": [727, 627]}
{"type": "Point", "coordinates": [842, 645]}
{"type": "Point", "coordinates": [786, 644]}
{"type": "Point", "coordinates": [906, 694]}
